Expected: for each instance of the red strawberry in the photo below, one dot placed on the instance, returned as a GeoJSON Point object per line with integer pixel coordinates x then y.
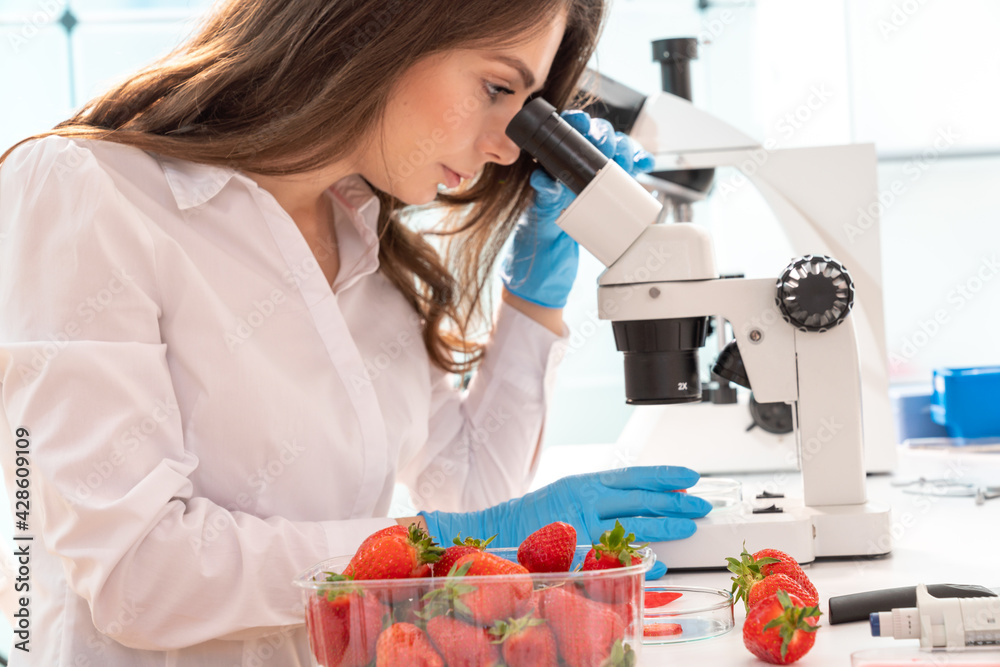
{"type": "Point", "coordinates": [405, 645]}
{"type": "Point", "coordinates": [588, 633]}
{"type": "Point", "coordinates": [785, 565]}
{"type": "Point", "coordinates": [751, 568]}
{"type": "Point", "coordinates": [661, 629]}
{"type": "Point", "coordinates": [780, 629]}
{"type": "Point", "coordinates": [549, 549]}
{"type": "Point", "coordinates": [526, 642]}
{"type": "Point", "coordinates": [612, 552]}
{"type": "Point", "coordinates": [397, 530]}
{"type": "Point", "coordinates": [453, 553]}
{"type": "Point", "coordinates": [485, 603]}
{"type": "Point", "coordinates": [770, 585]}
{"type": "Point", "coordinates": [461, 644]}
{"type": "Point", "coordinates": [343, 627]}
{"type": "Point", "coordinates": [747, 573]}
{"type": "Point", "coordinates": [654, 599]}
{"type": "Point", "coordinates": [391, 555]}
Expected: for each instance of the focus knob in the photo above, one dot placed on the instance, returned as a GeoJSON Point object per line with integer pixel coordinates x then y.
{"type": "Point", "coordinates": [815, 293]}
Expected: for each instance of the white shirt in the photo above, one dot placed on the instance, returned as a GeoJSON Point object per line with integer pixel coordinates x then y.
{"type": "Point", "coordinates": [207, 417]}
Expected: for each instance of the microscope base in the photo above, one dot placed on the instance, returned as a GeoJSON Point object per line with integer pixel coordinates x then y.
{"type": "Point", "coordinates": [805, 533]}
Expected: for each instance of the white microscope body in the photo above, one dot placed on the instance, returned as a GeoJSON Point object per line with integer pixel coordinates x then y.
{"type": "Point", "coordinates": [817, 373]}
{"type": "Point", "coordinates": [825, 200]}
{"type": "Point", "coordinates": [665, 273]}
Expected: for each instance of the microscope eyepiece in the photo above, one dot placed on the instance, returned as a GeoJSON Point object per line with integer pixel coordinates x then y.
{"type": "Point", "coordinates": [566, 154]}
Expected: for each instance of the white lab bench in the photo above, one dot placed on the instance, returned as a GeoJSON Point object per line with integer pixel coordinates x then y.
{"type": "Point", "coordinates": [937, 540]}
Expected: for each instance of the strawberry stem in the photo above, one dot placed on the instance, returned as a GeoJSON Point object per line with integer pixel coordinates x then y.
{"type": "Point", "coordinates": [428, 550]}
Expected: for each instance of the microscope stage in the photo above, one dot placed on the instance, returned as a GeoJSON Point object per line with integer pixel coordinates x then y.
{"type": "Point", "coordinates": [805, 533]}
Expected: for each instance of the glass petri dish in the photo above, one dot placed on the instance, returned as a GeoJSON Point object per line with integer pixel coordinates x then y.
{"type": "Point", "coordinates": [696, 614]}
{"type": "Point", "coordinates": [724, 493]}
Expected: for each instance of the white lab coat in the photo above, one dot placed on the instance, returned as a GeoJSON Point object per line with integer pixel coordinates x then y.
{"type": "Point", "coordinates": [207, 417]}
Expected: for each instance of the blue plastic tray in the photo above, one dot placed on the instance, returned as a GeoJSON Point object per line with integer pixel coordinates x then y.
{"type": "Point", "coordinates": [966, 401]}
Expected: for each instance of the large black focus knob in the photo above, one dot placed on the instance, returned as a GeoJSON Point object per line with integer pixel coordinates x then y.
{"type": "Point", "coordinates": [815, 293]}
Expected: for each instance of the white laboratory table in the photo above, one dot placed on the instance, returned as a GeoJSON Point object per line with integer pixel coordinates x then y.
{"type": "Point", "coordinates": [937, 540]}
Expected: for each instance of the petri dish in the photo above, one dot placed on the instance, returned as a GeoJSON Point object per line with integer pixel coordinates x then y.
{"type": "Point", "coordinates": [724, 493]}
{"type": "Point", "coordinates": [695, 614]}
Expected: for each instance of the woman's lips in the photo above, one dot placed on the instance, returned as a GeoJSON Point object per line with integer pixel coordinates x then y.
{"type": "Point", "coordinates": [452, 178]}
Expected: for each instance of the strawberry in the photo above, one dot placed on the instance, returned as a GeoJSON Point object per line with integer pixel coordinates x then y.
{"type": "Point", "coordinates": [549, 549]}
{"type": "Point", "coordinates": [389, 554]}
{"type": "Point", "coordinates": [343, 626]}
{"type": "Point", "coordinates": [396, 530]}
{"type": "Point", "coordinates": [785, 565]}
{"type": "Point", "coordinates": [770, 585]}
{"type": "Point", "coordinates": [526, 642]}
{"type": "Point", "coordinates": [459, 549]}
{"type": "Point", "coordinates": [461, 644]}
{"type": "Point", "coordinates": [655, 599]}
{"type": "Point", "coordinates": [405, 645]}
{"type": "Point", "coordinates": [588, 633]}
{"type": "Point", "coordinates": [747, 571]}
{"type": "Point", "coordinates": [780, 629]}
{"type": "Point", "coordinates": [751, 568]}
{"type": "Point", "coordinates": [661, 629]}
{"type": "Point", "coordinates": [613, 551]}
{"type": "Point", "coordinates": [486, 603]}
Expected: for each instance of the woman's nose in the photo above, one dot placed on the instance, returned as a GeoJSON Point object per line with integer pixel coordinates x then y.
{"type": "Point", "coordinates": [499, 147]}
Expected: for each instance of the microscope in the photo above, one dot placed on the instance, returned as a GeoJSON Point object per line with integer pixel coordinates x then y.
{"type": "Point", "coordinates": [824, 201]}
{"type": "Point", "coordinates": [794, 343]}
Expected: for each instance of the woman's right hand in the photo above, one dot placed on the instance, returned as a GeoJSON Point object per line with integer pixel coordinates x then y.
{"type": "Point", "coordinates": [543, 259]}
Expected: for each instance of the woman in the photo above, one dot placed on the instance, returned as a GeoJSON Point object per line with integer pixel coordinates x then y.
{"type": "Point", "coordinates": [225, 346]}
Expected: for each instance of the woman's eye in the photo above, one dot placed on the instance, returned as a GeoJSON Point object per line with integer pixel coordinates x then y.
{"type": "Point", "coordinates": [494, 90]}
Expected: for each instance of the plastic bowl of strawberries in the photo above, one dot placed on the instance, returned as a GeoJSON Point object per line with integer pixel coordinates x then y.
{"type": "Point", "coordinates": [401, 599]}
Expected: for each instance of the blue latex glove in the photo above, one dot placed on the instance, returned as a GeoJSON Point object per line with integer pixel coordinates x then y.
{"type": "Point", "coordinates": [639, 496]}
{"type": "Point", "coordinates": [542, 263]}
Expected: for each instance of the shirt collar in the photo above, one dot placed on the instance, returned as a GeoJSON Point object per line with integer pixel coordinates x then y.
{"type": "Point", "coordinates": [357, 232]}
{"type": "Point", "coordinates": [354, 194]}
{"type": "Point", "coordinates": [194, 183]}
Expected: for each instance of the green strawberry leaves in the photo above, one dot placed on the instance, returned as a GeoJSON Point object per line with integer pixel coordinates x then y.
{"type": "Point", "coordinates": [616, 542]}
{"type": "Point", "coordinates": [332, 594]}
{"type": "Point", "coordinates": [503, 630]}
{"type": "Point", "coordinates": [442, 600]}
{"type": "Point", "coordinates": [428, 550]}
{"type": "Point", "coordinates": [792, 619]}
{"type": "Point", "coordinates": [622, 655]}
{"type": "Point", "coordinates": [472, 541]}
{"type": "Point", "coordinates": [748, 573]}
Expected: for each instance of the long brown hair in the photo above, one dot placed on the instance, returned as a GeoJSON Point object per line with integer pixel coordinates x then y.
{"type": "Point", "coordinates": [285, 86]}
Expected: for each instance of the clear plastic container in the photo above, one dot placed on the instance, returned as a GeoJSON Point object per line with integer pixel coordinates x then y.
{"type": "Point", "coordinates": [698, 613]}
{"type": "Point", "coordinates": [605, 605]}
{"type": "Point", "coordinates": [913, 656]}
